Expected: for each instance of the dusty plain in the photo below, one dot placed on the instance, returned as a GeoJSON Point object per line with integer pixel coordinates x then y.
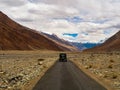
{"type": "Point", "coordinates": [20, 70]}
{"type": "Point", "coordinates": [104, 67]}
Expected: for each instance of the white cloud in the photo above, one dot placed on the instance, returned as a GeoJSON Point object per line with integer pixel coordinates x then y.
{"type": "Point", "coordinates": [99, 18]}
{"type": "Point", "coordinates": [13, 3]}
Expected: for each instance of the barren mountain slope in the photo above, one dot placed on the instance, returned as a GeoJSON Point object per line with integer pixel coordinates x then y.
{"type": "Point", "coordinates": [14, 36]}
{"type": "Point", "coordinates": [112, 44]}
{"type": "Point", "coordinates": [61, 42]}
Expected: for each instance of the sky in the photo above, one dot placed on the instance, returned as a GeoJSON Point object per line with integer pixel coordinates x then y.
{"type": "Point", "coordinates": [73, 20]}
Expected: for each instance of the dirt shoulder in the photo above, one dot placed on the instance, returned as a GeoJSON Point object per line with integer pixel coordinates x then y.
{"type": "Point", "coordinates": [99, 80]}
{"type": "Point", "coordinates": [30, 85]}
{"type": "Point", "coordinates": [20, 70]}
{"type": "Point", "coordinates": [103, 67]}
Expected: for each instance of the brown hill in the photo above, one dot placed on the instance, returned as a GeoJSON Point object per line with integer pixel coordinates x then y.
{"type": "Point", "coordinates": [14, 36]}
{"type": "Point", "coordinates": [112, 44]}
{"type": "Point", "coordinates": [61, 42]}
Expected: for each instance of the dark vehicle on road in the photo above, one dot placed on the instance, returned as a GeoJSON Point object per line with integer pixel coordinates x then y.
{"type": "Point", "coordinates": [62, 57]}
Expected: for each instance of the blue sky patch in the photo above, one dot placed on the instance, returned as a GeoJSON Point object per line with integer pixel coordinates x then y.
{"type": "Point", "coordinates": [75, 19]}
{"type": "Point", "coordinates": [85, 33]}
{"type": "Point", "coordinates": [71, 34]}
{"type": "Point", "coordinates": [101, 21]}
{"type": "Point", "coordinates": [106, 32]}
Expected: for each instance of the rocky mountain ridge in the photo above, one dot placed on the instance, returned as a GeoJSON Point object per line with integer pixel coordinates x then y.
{"type": "Point", "coordinates": [14, 36]}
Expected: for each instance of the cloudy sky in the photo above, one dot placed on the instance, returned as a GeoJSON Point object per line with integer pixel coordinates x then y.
{"type": "Point", "coordinates": [73, 20]}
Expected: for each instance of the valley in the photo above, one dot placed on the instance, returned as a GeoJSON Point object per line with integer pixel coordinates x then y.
{"type": "Point", "coordinates": [19, 69]}
{"type": "Point", "coordinates": [34, 32]}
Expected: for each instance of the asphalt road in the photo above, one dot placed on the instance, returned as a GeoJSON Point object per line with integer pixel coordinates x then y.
{"type": "Point", "coordinates": [66, 76]}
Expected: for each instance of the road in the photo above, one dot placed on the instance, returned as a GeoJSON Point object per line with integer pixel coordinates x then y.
{"type": "Point", "coordinates": [66, 76]}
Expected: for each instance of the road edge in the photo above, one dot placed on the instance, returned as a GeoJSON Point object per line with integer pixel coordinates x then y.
{"type": "Point", "coordinates": [97, 79]}
{"type": "Point", "coordinates": [30, 85]}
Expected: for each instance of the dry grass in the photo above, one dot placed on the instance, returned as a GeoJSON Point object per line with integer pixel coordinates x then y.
{"type": "Point", "coordinates": [105, 66]}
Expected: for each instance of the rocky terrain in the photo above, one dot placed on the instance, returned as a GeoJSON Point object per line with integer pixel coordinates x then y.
{"type": "Point", "coordinates": [20, 68]}
{"type": "Point", "coordinates": [104, 66]}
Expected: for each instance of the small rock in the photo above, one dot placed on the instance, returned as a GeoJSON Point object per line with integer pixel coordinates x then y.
{"type": "Point", "coordinates": [40, 63]}
{"type": "Point", "coordinates": [3, 86]}
{"type": "Point", "coordinates": [15, 79]}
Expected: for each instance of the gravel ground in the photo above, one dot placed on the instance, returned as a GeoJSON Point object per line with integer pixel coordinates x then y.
{"type": "Point", "coordinates": [105, 66]}
{"type": "Point", "coordinates": [17, 68]}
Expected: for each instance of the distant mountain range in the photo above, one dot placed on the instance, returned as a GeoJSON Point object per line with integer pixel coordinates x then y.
{"type": "Point", "coordinates": [83, 46]}
{"type": "Point", "coordinates": [14, 36]}
{"type": "Point", "coordinates": [61, 42]}
{"type": "Point", "coordinates": [111, 44]}
{"type": "Point", "coordinates": [79, 46]}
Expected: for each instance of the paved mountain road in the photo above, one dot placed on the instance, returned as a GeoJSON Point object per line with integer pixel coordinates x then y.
{"type": "Point", "coordinates": [66, 76]}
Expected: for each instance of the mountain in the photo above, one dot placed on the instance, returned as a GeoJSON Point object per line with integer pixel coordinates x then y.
{"type": "Point", "coordinates": [73, 46]}
{"type": "Point", "coordinates": [80, 46]}
{"type": "Point", "coordinates": [90, 45]}
{"type": "Point", "coordinates": [61, 42]}
{"type": "Point", "coordinates": [111, 44]}
{"type": "Point", "coordinates": [14, 36]}
{"type": "Point", "coordinates": [83, 46]}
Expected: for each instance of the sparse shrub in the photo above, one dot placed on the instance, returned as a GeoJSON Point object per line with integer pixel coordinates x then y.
{"type": "Point", "coordinates": [2, 74]}
{"type": "Point", "coordinates": [41, 59]}
{"type": "Point", "coordinates": [92, 55]}
{"type": "Point", "coordinates": [117, 53]}
{"type": "Point", "coordinates": [44, 66]}
{"type": "Point", "coordinates": [111, 61]}
{"type": "Point", "coordinates": [82, 59]}
{"type": "Point", "coordinates": [110, 66]}
{"type": "Point", "coordinates": [16, 79]}
{"type": "Point", "coordinates": [110, 53]}
{"type": "Point", "coordinates": [88, 67]}
{"type": "Point", "coordinates": [105, 76]}
{"type": "Point", "coordinates": [114, 76]}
